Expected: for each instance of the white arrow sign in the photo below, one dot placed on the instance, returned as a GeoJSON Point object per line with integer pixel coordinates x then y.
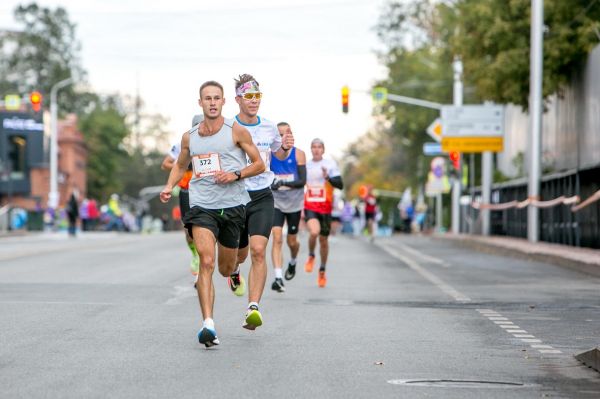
{"type": "Point", "coordinates": [435, 130]}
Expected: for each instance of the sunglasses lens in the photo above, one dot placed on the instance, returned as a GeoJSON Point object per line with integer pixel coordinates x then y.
{"type": "Point", "coordinates": [251, 96]}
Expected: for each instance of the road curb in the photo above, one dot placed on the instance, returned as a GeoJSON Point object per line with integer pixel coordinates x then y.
{"type": "Point", "coordinates": [534, 253]}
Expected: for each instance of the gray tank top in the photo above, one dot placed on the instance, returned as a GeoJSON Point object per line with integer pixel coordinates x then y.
{"type": "Point", "coordinates": [212, 153]}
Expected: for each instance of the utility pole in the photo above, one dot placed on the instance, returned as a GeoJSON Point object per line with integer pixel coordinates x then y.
{"type": "Point", "coordinates": [456, 184]}
{"type": "Point", "coordinates": [53, 199]}
{"type": "Point", "coordinates": [535, 115]}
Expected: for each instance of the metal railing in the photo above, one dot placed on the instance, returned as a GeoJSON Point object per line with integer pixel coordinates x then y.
{"type": "Point", "coordinates": [569, 209]}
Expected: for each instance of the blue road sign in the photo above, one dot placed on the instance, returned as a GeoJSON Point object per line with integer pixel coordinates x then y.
{"type": "Point", "coordinates": [432, 149]}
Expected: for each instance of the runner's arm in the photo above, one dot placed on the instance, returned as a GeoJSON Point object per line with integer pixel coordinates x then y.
{"type": "Point", "coordinates": [167, 163]}
{"type": "Point", "coordinates": [286, 143]}
{"type": "Point", "coordinates": [336, 181]}
{"type": "Point", "coordinates": [301, 162]}
{"type": "Point", "coordinates": [178, 169]}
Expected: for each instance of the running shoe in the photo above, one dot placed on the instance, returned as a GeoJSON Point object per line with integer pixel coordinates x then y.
{"type": "Point", "coordinates": [253, 318]}
{"type": "Point", "coordinates": [237, 284]}
{"type": "Point", "coordinates": [310, 263]}
{"type": "Point", "coordinates": [290, 272]}
{"type": "Point", "coordinates": [278, 285]}
{"type": "Point", "coordinates": [322, 279]}
{"type": "Point", "coordinates": [208, 337]}
{"type": "Point", "coordinates": [195, 264]}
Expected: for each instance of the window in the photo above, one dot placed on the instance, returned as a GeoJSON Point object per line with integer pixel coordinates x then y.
{"type": "Point", "coordinates": [17, 152]}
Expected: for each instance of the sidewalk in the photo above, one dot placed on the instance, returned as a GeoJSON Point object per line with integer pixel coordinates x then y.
{"type": "Point", "coordinates": [585, 260]}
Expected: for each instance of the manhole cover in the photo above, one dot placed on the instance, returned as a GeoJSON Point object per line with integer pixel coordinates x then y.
{"type": "Point", "coordinates": [447, 383]}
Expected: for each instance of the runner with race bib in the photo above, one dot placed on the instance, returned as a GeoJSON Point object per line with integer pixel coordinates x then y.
{"type": "Point", "coordinates": [322, 175]}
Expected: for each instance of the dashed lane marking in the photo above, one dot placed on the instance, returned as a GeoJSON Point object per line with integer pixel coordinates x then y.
{"type": "Point", "coordinates": [517, 332]}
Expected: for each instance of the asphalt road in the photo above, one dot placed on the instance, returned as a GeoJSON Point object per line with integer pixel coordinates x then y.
{"type": "Point", "coordinates": [109, 315]}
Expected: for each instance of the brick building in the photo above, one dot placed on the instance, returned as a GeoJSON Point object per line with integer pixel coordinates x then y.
{"type": "Point", "coordinates": [24, 155]}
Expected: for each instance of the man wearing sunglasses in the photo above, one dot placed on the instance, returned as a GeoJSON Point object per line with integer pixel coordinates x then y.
{"type": "Point", "coordinates": [259, 211]}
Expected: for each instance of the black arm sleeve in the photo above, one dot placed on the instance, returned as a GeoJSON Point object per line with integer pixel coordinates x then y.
{"type": "Point", "coordinates": [336, 182]}
{"type": "Point", "coordinates": [301, 178]}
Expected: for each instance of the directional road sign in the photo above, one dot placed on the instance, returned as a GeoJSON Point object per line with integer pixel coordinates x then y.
{"type": "Point", "coordinates": [473, 121]}
{"type": "Point", "coordinates": [473, 128]}
{"type": "Point", "coordinates": [432, 149]}
{"type": "Point", "coordinates": [435, 130]}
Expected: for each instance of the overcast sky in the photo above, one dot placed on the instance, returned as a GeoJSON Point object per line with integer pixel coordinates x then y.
{"type": "Point", "coordinates": [301, 53]}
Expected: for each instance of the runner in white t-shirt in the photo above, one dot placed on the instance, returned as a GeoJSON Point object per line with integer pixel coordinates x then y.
{"type": "Point", "coordinates": [259, 211]}
{"type": "Point", "coordinates": [322, 175]}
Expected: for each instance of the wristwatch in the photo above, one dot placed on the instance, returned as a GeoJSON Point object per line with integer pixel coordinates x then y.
{"type": "Point", "coordinates": [238, 174]}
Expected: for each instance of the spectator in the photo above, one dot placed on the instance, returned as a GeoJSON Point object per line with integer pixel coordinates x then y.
{"type": "Point", "coordinates": [93, 214]}
{"type": "Point", "coordinates": [84, 215]}
{"type": "Point", "coordinates": [72, 210]}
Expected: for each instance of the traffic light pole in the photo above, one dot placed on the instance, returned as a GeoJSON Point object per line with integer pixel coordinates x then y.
{"type": "Point", "coordinates": [53, 196]}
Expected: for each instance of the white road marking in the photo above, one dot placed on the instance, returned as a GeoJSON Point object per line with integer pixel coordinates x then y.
{"type": "Point", "coordinates": [529, 340]}
{"type": "Point", "coordinates": [181, 292]}
{"type": "Point", "coordinates": [435, 280]}
{"type": "Point", "coordinates": [523, 336]}
{"type": "Point", "coordinates": [549, 351]}
{"type": "Point", "coordinates": [426, 258]}
{"type": "Point", "coordinates": [516, 331]}
{"type": "Point", "coordinates": [498, 318]}
{"type": "Point", "coordinates": [503, 322]}
{"type": "Point", "coordinates": [509, 326]}
{"type": "Point", "coordinates": [537, 346]}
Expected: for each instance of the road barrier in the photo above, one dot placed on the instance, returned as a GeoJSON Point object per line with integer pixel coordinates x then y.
{"type": "Point", "coordinates": [562, 200]}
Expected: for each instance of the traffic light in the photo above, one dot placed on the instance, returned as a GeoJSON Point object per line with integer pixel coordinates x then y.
{"type": "Point", "coordinates": [455, 159]}
{"type": "Point", "coordinates": [345, 98]}
{"type": "Point", "coordinates": [35, 98]}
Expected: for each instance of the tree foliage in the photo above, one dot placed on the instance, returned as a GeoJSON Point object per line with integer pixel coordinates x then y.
{"type": "Point", "coordinates": [104, 129]}
{"type": "Point", "coordinates": [421, 39]}
{"type": "Point", "coordinates": [43, 53]}
{"type": "Point", "coordinates": [493, 40]}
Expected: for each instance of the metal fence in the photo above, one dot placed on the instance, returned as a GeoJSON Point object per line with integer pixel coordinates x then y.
{"type": "Point", "coordinates": [558, 224]}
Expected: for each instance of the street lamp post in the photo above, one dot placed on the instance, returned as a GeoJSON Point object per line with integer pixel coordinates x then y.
{"type": "Point", "coordinates": [535, 115]}
{"type": "Point", "coordinates": [53, 196]}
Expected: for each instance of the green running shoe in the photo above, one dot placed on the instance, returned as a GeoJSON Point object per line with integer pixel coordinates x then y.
{"type": "Point", "coordinates": [253, 318]}
{"type": "Point", "coordinates": [237, 284]}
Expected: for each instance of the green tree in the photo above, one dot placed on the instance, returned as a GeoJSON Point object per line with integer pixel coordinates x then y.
{"type": "Point", "coordinates": [492, 38]}
{"type": "Point", "coordinates": [104, 129]}
{"type": "Point", "coordinates": [43, 53]}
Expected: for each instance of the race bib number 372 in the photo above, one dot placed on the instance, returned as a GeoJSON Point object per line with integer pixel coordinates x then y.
{"type": "Point", "coordinates": [206, 164]}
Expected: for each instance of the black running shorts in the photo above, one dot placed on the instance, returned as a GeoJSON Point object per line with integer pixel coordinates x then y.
{"type": "Point", "coordinates": [323, 218]}
{"type": "Point", "coordinates": [259, 215]}
{"type": "Point", "coordinates": [226, 224]}
{"type": "Point", "coordinates": [292, 219]}
{"type": "Point", "coordinates": [184, 202]}
{"type": "Point", "coordinates": [369, 215]}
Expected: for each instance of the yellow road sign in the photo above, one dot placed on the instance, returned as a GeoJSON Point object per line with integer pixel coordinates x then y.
{"type": "Point", "coordinates": [472, 144]}
{"type": "Point", "coordinates": [12, 102]}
